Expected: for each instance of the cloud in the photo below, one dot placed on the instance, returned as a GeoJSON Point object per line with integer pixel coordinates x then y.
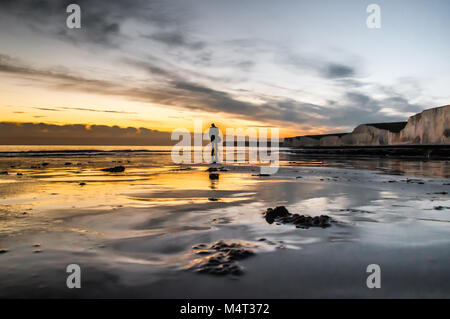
{"type": "Point", "coordinates": [354, 107]}
{"type": "Point", "coordinates": [95, 110]}
{"type": "Point", "coordinates": [336, 71]}
{"type": "Point", "coordinates": [176, 39]}
{"type": "Point", "coordinates": [318, 66]}
{"type": "Point", "coordinates": [101, 21]}
{"type": "Point", "coordinates": [79, 134]}
{"type": "Point", "coordinates": [46, 109]}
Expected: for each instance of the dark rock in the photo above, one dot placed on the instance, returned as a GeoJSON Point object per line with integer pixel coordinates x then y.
{"type": "Point", "coordinates": [3, 250]}
{"type": "Point", "coordinates": [221, 258]}
{"type": "Point", "coordinates": [280, 215]}
{"type": "Point", "coordinates": [211, 199]}
{"type": "Point", "coordinates": [19, 174]}
{"type": "Point", "coordinates": [115, 169]}
{"type": "Point", "coordinates": [4, 173]}
{"type": "Point", "coordinates": [212, 169]}
{"type": "Point", "coordinates": [68, 163]}
{"type": "Point", "coordinates": [82, 183]}
{"type": "Point", "coordinates": [277, 212]}
{"type": "Point", "coordinates": [45, 164]}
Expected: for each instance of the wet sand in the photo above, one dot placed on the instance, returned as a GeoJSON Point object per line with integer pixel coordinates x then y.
{"type": "Point", "coordinates": [132, 233]}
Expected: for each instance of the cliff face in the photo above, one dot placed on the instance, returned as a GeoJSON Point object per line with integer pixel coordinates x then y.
{"type": "Point", "coordinates": [432, 126]}
{"type": "Point", "coordinates": [429, 127]}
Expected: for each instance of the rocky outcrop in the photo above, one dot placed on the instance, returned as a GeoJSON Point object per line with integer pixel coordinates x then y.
{"type": "Point", "coordinates": [281, 215]}
{"type": "Point", "coordinates": [221, 258]}
{"type": "Point", "coordinates": [430, 127]}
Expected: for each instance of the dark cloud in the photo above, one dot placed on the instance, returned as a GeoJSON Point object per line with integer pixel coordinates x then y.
{"type": "Point", "coordinates": [79, 134]}
{"type": "Point", "coordinates": [322, 67]}
{"type": "Point", "coordinates": [336, 71]}
{"type": "Point", "coordinates": [101, 20]}
{"type": "Point", "coordinates": [176, 39]}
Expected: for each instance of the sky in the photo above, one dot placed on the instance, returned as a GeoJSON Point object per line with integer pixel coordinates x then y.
{"type": "Point", "coordinates": [147, 67]}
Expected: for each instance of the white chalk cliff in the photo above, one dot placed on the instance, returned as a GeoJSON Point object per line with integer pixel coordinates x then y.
{"type": "Point", "coordinates": [432, 126]}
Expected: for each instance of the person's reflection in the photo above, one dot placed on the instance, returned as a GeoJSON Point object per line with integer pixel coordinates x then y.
{"type": "Point", "coordinates": [214, 180]}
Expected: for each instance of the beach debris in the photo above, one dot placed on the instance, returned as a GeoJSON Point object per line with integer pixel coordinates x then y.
{"type": "Point", "coordinates": [3, 250]}
{"type": "Point", "coordinates": [212, 199]}
{"type": "Point", "coordinates": [221, 257]}
{"type": "Point", "coordinates": [45, 164]}
{"type": "Point", "coordinates": [36, 245]}
{"type": "Point", "coordinates": [4, 173]}
{"type": "Point", "coordinates": [67, 163]}
{"type": "Point", "coordinates": [37, 251]}
{"type": "Point", "coordinates": [19, 174]}
{"type": "Point", "coordinates": [262, 175]}
{"type": "Point", "coordinates": [115, 169]}
{"type": "Point", "coordinates": [280, 215]}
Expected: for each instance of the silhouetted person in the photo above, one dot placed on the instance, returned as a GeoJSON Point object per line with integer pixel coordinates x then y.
{"type": "Point", "coordinates": [215, 139]}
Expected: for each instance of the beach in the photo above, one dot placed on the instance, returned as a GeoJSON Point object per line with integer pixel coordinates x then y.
{"type": "Point", "coordinates": [134, 233]}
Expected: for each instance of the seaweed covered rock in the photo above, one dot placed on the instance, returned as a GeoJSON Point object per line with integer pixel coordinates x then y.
{"type": "Point", "coordinates": [277, 212]}
{"type": "Point", "coordinates": [281, 215]}
{"type": "Point", "coordinates": [221, 257]}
